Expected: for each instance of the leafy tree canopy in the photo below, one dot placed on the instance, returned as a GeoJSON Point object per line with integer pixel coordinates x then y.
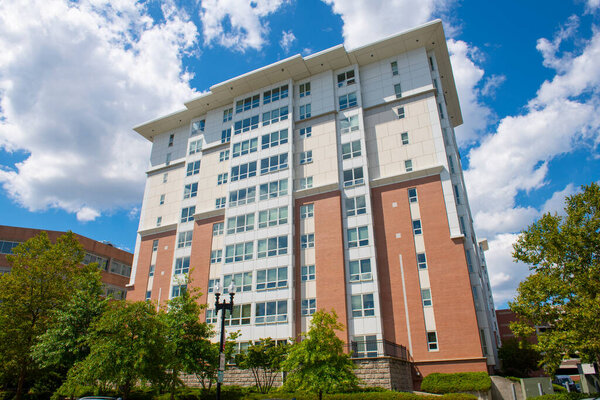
{"type": "Point", "coordinates": [264, 359]}
{"type": "Point", "coordinates": [518, 358]}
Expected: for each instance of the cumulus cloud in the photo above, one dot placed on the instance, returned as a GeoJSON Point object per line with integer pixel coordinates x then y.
{"type": "Point", "coordinates": [556, 203]}
{"type": "Point", "coordinates": [74, 79]}
{"type": "Point", "coordinates": [287, 40]}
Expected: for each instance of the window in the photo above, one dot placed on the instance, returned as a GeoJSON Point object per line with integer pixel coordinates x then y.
{"type": "Point", "coordinates": [347, 101]}
{"type": "Point", "coordinates": [245, 147]}
{"type": "Point", "coordinates": [307, 241]}
{"type": "Point", "coordinates": [483, 342]}
{"type": "Point", "coordinates": [88, 258]}
{"type": "Point", "coordinates": [222, 178]}
{"type": "Point", "coordinates": [271, 312]}
{"type": "Point", "coordinates": [351, 150]}
{"type": "Point", "coordinates": [120, 268]}
{"type": "Point", "coordinates": [461, 220]}
{"type": "Point", "coordinates": [247, 103]}
{"type": "Point", "coordinates": [356, 206]}
{"type": "Point", "coordinates": [218, 229]}
{"type": "Point", "coordinates": [360, 270]}
{"type": "Point", "coordinates": [349, 124]}
{"type": "Point", "coordinates": [469, 260]}
{"type": "Point", "coordinates": [197, 127]}
{"type": "Point", "coordinates": [148, 295]}
{"type": "Point", "coordinates": [165, 177]}
{"type": "Point", "coordinates": [193, 168]}
{"type": "Point", "coordinates": [398, 90]}
{"type": "Point", "coordinates": [305, 132]}
{"type": "Point", "coordinates": [353, 177]}
{"type": "Point", "coordinates": [212, 283]}
{"type": "Point", "coordinates": [305, 111]}
{"type": "Point", "coordinates": [171, 138]}
{"type": "Point", "coordinates": [435, 84]}
{"type": "Point", "coordinates": [151, 271]}
{"type": "Point", "coordinates": [154, 245]}
{"type": "Point", "coordinates": [304, 89]}
{"type": "Point", "coordinates": [274, 163]}
{"type": "Point", "coordinates": [227, 114]}
{"type": "Point", "coordinates": [394, 66]}
{"type": "Point", "coordinates": [276, 115]}
{"type": "Point", "coordinates": [274, 246]}
{"type": "Point", "coordinates": [451, 164]}
{"type": "Point", "coordinates": [275, 94]}
{"type": "Point", "coordinates": [412, 195]}
{"type": "Point", "coordinates": [162, 199]}
{"type": "Point", "coordinates": [182, 265]}
{"type": "Point", "coordinates": [241, 223]}
{"type": "Point", "coordinates": [220, 203]}
{"type": "Point", "coordinates": [431, 65]}
{"type": "Point", "coordinates": [404, 137]}
{"type": "Point", "coordinates": [226, 135]}
{"type": "Point", "coordinates": [240, 315]}
{"type": "Point", "coordinates": [426, 297]}
{"type": "Point", "coordinates": [238, 252]}
{"type": "Point", "coordinates": [158, 221]}
{"type": "Point", "coordinates": [272, 217]}
{"type": "Point", "coordinates": [346, 78]}
{"type": "Point", "coordinates": [305, 183]}
{"type": "Point", "coordinates": [274, 139]}
{"type": "Point", "coordinates": [358, 236]}
{"type": "Point", "coordinates": [273, 278]}
{"type": "Point", "coordinates": [306, 157]}
{"type": "Point", "coordinates": [457, 194]}
{"type": "Point", "coordinates": [307, 211]}
{"type": "Point", "coordinates": [417, 230]}
{"type": "Point", "coordinates": [211, 317]}
{"type": "Point", "coordinates": [366, 346]}
{"type": "Point", "coordinates": [441, 110]}
{"type": "Point", "coordinates": [187, 214]}
{"type": "Point", "coordinates": [216, 256]}
{"type": "Point", "coordinates": [401, 113]}
{"type": "Point", "coordinates": [195, 147]}
{"type": "Point", "coordinates": [224, 155]}
{"type": "Point", "coordinates": [309, 306]}
{"type": "Point", "coordinates": [241, 281]}
{"type": "Point", "coordinates": [307, 273]}
{"type": "Point", "coordinates": [421, 261]}
{"type": "Point", "coordinates": [363, 305]}
{"type": "Point", "coordinates": [190, 190]}
{"type": "Point", "coordinates": [242, 196]}
{"type": "Point", "coordinates": [168, 159]}
{"type": "Point", "coordinates": [243, 171]}
{"type": "Point", "coordinates": [245, 125]}
{"type": "Point", "coordinates": [408, 165]}
{"type": "Point", "coordinates": [184, 239]}
{"type": "Point", "coordinates": [432, 342]}
{"type": "Point", "coordinates": [273, 189]}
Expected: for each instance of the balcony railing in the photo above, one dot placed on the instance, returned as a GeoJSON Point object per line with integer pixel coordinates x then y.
{"type": "Point", "coordinates": [377, 348]}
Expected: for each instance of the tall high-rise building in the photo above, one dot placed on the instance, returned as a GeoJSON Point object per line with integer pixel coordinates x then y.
{"type": "Point", "coordinates": [331, 181]}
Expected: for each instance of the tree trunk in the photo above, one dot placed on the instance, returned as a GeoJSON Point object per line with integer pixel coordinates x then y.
{"type": "Point", "coordinates": [21, 383]}
{"type": "Point", "coordinates": [320, 395]}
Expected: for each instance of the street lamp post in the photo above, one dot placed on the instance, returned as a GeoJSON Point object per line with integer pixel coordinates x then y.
{"type": "Point", "coordinates": [224, 306]}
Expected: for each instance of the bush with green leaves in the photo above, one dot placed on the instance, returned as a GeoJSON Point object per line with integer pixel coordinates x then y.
{"type": "Point", "coordinates": [458, 382]}
{"type": "Point", "coordinates": [562, 396]}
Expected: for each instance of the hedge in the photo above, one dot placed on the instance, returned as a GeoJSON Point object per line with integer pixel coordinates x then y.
{"type": "Point", "coordinates": [457, 382]}
{"type": "Point", "coordinates": [563, 396]}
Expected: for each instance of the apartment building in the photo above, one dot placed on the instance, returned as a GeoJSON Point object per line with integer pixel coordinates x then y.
{"type": "Point", "coordinates": [114, 264]}
{"type": "Point", "coordinates": [331, 181]}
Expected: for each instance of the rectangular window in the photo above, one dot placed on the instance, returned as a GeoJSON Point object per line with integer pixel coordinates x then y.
{"type": "Point", "coordinates": [435, 84]}
{"type": "Point", "coordinates": [351, 150]}
{"type": "Point", "coordinates": [241, 281]}
{"type": "Point", "coordinates": [356, 206]}
{"type": "Point", "coordinates": [154, 245]}
{"type": "Point", "coordinates": [178, 290]}
{"type": "Point", "coordinates": [307, 273]}
{"type": "Point", "coordinates": [162, 199]}
{"type": "Point", "coordinates": [187, 214]}
{"type": "Point", "coordinates": [224, 155]}
{"type": "Point", "coordinates": [171, 138]}
{"type": "Point", "coordinates": [148, 295]}
{"type": "Point", "coordinates": [227, 114]}
{"type": "Point", "coordinates": [190, 190]}
{"type": "Point", "coordinates": [426, 297]}
{"type": "Point", "coordinates": [394, 66]}
{"type": "Point", "coordinates": [273, 278]}
{"type": "Point", "coordinates": [168, 159]}
{"type": "Point", "coordinates": [358, 236]}
{"type": "Point", "coordinates": [431, 65]}
{"type": "Point", "coordinates": [245, 125]}
{"type": "Point", "coordinates": [271, 312]}
{"type": "Point", "coordinates": [421, 261]}
{"type": "Point", "coordinates": [273, 189]}
{"type": "Point", "coordinates": [238, 252]}
{"type": "Point", "coordinates": [273, 217]}
{"type": "Point", "coordinates": [346, 78]}
{"type": "Point", "coordinates": [432, 341]}
{"type": "Point", "coordinates": [412, 195]}
{"type": "Point", "coordinates": [193, 168]}
{"type": "Point", "coordinates": [307, 211]}
{"type": "Point", "coordinates": [244, 147]}
{"type": "Point", "coordinates": [309, 306]}
{"type": "Point", "coordinates": [195, 147]}
{"type": "Point", "coordinates": [360, 270]}
{"type": "Point", "coordinates": [222, 178]}
{"type": "Point", "coordinates": [304, 89]}
{"type": "Point", "coordinates": [307, 241]}
{"type": "Point", "coordinates": [353, 177]}
{"type": "Point", "coordinates": [305, 111]}
{"type": "Point", "coordinates": [347, 101]}
{"type": "Point", "coordinates": [197, 127]}
{"type": "Point", "coordinates": [363, 305]}
{"type": "Point", "coordinates": [441, 110]}
{"type": "Point", "coordinates": [216, 256]}
{"type": "Point", "coordinates": [461, 220]}
{"type": "Point", "coordinates": [158, 221]}
{"type": "Point", "coordinates": [243, 171]}
{"type": "Point", "coordinates": [241, 223]}
{"type": "Point", "coordinates": [212, 283]}
{"type": "Point", "coordinates": [274, 163]}
{"type": "Point", "coordinates": [276, 115]}
{"type": "Point", "coordinates": [451, 164]}
{"type": "Point", "coordinates": [305, 183]}
{"type": "Point", "coordinates": [274, 139]}
{"type": "Point", "coordinates": [417, 229]}
{"type": "Point", "coordinates": [242, 196]}
{"type": "Point", "coordinates": [469, 260]}
{"type": "Point", "coordinates": [401, 113]}
{"type": "Point", "coordinates": [218, 229]}
{"type": "Point", "coordinates": [220, 203]}
{"type": "Point", "coordinates": [184, 239]}
{"type": "Point", "coordinates": [226, 135]}
{"type": "Point", "coordinates": [305, 157]}
{"type": "Point", "coordinates": [247, 103]}
{"type": "Point", "coordinates": [366, 346]}
{"type": "Point", "coordinates": [408, 165]}
{"type": "Point", "coordinates": [457, 194]}
{"type": "Point", "coordinates": [182, 265]}
{"type": "Point", "coordinates": [483, 343]}
{"type": "Point", "coordinates": [240, 315]}
{"type": "Point", "coordinates": [151, 271]}
{"type": "Point", "coordinates": [273, 95]}
{"type": "Point", "coordinates": [349, 124]}
{"type": "Point", "coordinates": [404, 137]}
{"type": "Point", "coordinates": [271, 247]}
{"type": "Point", "coordinates": [398, 90]}
{"type": "Point", "coordinates": [211, 317]}
{"type": "Point", "coordinates": [305, 132]}
{"type": "Point", "coordinates": [165, 177]}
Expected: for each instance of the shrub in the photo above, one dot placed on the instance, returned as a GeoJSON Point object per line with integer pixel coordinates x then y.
{"type": "Point", "coordinates": [380, 395]}
{"type": "Point", "coordinates": [458, 382]}
{"type": "Point", "coordinates": [562, 396]}
{"type": "Point", "coordinates": [559, 388]}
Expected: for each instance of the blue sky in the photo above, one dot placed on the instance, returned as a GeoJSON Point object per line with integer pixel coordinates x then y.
{"type": "Point", "coordinates": [75, 77]}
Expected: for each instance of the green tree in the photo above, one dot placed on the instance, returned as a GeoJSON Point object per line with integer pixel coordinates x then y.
{"type": "Point", "coordinates": [518, 358]}
{"type": "Point", "coordinates": [40, 282]}
{"type": "Point", "coordinates": [318, 363]}
{"type": "Point", "coordinates": [563, 290]}
{"type": "Point", "coordinates": [264, 359]}
{"type": "Point", "coordinates": [207, 364]}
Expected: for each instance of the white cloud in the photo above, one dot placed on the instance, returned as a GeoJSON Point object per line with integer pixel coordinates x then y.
{"type": "Point", "coordinates": [592, 5]}
{"type": "Point", "coordinates": [74, 79]}
{"type": "Point", "coordinates": [237, 24]}
{"type": "Point", "coordinates": [556, 203]}
{"type": "Point", "coordinates": [505, 274]}
{"type": "Point", "coordinates": [287, 39]}
{"type": "Point", "coordinates": [491, 84]}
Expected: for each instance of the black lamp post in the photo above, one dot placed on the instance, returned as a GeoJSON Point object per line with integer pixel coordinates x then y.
{"type": "Point", "coordinates": [224, 306]}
